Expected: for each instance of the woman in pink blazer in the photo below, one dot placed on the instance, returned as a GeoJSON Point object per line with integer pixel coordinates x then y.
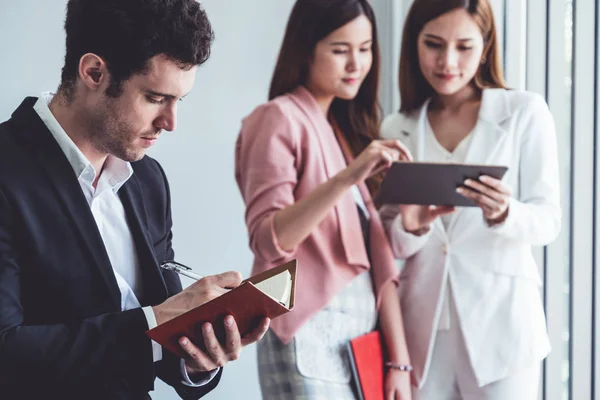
{"type": "Point", "coordinates": [302, 160]}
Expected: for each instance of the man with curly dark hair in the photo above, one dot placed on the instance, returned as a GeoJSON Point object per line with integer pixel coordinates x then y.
{"type": "Point", "coordinates": [85, 217]}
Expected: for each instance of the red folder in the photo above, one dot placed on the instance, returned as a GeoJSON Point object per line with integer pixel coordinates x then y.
{"type": "Point", "coordinates": [366, 361]}
{"type": "Point", "coordinates": [246, 303]}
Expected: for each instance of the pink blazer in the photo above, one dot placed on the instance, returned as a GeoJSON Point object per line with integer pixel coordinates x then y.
{"type": "Point", "coordinates": [286, 148]}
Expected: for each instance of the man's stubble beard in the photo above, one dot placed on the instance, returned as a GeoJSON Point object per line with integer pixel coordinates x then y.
{"type": "Point", "coordinates": [111, 136]}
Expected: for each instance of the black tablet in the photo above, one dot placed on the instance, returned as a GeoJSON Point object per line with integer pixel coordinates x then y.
{"type": "Point", "coordinates": [431, 183]}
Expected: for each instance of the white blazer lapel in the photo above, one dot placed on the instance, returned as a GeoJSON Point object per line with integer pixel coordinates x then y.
{"type": "Point", "coordinates": [488, 133]}
{"type": "Point", "coordinates": [406, 130]}
{"type": "Point", "coordinates": [488, 137]}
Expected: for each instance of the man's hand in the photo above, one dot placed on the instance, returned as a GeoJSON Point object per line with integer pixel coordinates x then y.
{"type": "Point", "coordinates": [217, 354]}
{"type": "Point", "coordinates": [197, 294]}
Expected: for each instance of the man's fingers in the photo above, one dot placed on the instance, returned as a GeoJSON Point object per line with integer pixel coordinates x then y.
{"type": "Point", "coordinates": [233, 342]}
{"type": "Point", "coordinates": [257, 333]}
{"type": "Point", "coordinates": [196, 359]}
{"type": "Point", "coordinates": [225, 280]}
{"type": "Point", "coordinates": [213, 347]}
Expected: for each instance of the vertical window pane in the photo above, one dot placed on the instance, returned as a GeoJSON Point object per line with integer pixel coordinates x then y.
{"type": "Point", "coordinates": [566, 156]}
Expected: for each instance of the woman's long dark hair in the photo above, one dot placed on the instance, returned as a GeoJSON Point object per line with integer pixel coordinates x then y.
{"type": "Point", "coordinates": [310, 22]}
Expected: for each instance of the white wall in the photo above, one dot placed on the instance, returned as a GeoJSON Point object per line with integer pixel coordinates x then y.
{"type": "Point", "coordinates": [209, 228]}
{"type": "Point", "coordinates": [31, 49]}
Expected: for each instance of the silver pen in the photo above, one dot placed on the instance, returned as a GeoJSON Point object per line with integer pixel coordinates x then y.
{"type": "Point", "coordinates": [181, 269]}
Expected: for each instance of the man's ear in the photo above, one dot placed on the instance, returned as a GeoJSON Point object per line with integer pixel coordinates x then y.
{"type": "Point", "coordinates": [92, 71]}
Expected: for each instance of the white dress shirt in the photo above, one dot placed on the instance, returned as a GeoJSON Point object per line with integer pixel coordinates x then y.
{"type": "Point", "coordinates": [110, 218]}
{"type": "Point", "coordinates": [435, 152]}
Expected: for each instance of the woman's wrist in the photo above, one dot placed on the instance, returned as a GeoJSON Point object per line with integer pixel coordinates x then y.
{"type": "Point", "coordinates": [419, 231]}
{"type": "Point", "coordinates": [497, 220]}
{"type": "Point", "coordinates": [344, 179]}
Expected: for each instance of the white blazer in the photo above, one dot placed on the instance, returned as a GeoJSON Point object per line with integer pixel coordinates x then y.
{"type": "Point", "coordinates": [494, 278]}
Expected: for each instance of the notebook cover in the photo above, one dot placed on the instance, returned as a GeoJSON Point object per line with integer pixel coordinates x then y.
{"type": "Point", "coordinates": [431, 183]}
{"type": "Point", "coordinates": [246, 303]}
{"type": "Point", "coordinates": [366, 361]}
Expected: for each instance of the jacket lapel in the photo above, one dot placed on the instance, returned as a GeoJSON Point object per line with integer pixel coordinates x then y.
{"type": "Point", "coordinates": [488, 137]}
{"type": "Point", "coordinates": [67, 189]}
{"type": "Point", "coordinates": [333, 157]}
{"type": "Point", "coordinates": [334, 162]}
{"type": "Point", "coordinates": [154, 287]}
{"type": "Point", "coordinates": [489, 133]}
{"type": "Point", "coordinates": [408, 134]}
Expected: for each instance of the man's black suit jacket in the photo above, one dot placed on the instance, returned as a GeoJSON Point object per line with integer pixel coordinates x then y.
{"type": "Point", "coordinates": [62, 332]}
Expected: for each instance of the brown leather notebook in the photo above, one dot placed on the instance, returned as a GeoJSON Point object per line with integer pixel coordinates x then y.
{"type": "Point", "coordinates": [431, 183]}
{"type": "Point", "coordinates": [248, 303]}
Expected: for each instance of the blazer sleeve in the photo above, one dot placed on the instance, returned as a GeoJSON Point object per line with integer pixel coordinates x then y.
{"type": "Point", "coordinates": [404, 244]}
{"type": "Point", "coordinates": [266, 173]}
{"type": "Point", "coordinates": [535, 216]}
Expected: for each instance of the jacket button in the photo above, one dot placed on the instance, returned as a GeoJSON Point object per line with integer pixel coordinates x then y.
{"type": "Point", "coordinates": [445, 249]}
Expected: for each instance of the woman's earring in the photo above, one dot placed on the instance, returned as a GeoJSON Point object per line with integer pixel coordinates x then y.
{"type": "Point", "coordinates": [483, 60]}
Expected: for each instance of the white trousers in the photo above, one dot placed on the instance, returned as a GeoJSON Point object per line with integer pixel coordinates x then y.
{"type": "Point", "coordinates": [451, 376]}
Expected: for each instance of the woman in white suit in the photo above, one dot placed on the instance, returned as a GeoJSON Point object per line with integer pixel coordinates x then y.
{"type": "Point", "coordinates": [470, 289]}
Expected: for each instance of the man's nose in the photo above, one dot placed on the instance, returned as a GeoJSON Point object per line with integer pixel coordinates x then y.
{"type": "Point", "coordinates": [168, 119]}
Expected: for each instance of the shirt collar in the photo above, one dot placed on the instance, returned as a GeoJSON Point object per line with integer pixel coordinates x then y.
{"type": "Point", "coordinates": [116, 171]}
